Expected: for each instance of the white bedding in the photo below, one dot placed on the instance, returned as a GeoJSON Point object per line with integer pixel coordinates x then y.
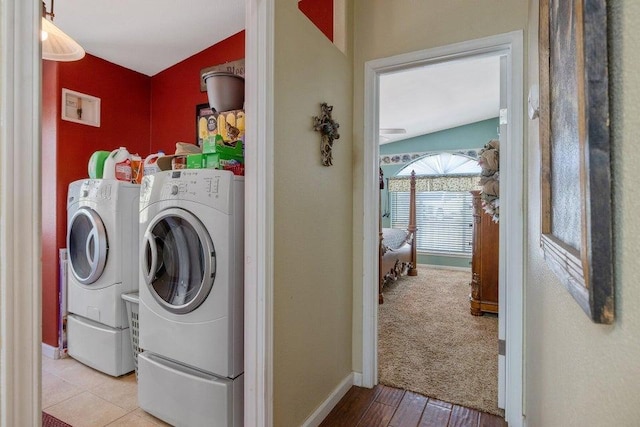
{"type": "Point", "coordinates": [393, 238]}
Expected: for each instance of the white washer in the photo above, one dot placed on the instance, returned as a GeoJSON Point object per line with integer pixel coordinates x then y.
{"type": "Point", "coordinates": [191, 297]}
{"type": "Point", "coordinates": [102, 245]}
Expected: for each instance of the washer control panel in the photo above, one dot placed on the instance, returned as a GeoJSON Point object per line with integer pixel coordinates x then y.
{"type": "Point", "coordinates": [95, 190]}
{"type": "Point", "coordinates": [208, 186]}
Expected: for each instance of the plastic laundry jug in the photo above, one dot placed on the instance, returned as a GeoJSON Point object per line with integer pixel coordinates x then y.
{"type": "Point", "coordinates": [96, 164]}
{"type": "Point", "coordinates": [151, 163]}
{"type": "Point", "coordinates": [118, 165]}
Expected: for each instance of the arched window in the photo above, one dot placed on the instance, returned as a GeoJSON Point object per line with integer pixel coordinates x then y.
{"type": "Point", "coordinates": [442, 164]}
{"type": "Point", "coordinates": [443, 202]}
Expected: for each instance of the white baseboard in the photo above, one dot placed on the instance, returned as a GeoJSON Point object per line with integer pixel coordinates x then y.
{"type": "Point", "coordinates": [50, 351]}
{"type": "Point", "coordinates": [330, 402]}
{"type": "Point", "coordinates": [357, 379]}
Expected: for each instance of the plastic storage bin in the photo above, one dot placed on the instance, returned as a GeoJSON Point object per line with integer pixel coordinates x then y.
{"type": "Point", "coordinates": [132, 301]}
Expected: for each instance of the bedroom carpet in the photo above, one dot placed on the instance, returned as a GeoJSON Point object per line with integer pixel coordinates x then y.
{"type": "Point", "coordinates": [429, 343]}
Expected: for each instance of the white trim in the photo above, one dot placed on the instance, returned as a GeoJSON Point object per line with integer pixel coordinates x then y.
{"type": "Point", "coordinates": [512, 217]}
{"type": "Point", "coordinates": [259, 87]}
{"type": "Point", "coordinates": [502, 363]}
{"type": "Point", "coordinates": [502, 297]}
{"type": "Point", "coordinates": [50, 351]}
{"type": "Point", "coordinates": [20, 251]}
{"type": "Point", "coordinates": [330, 402]}
{"type": "Point", "coordinates": [340, 24]}
{"type": "Point", "coordinates": [512, 230]}
{"type": "Point", "coordinates": [357, 379]}
{"type": "Point", "coordinates": [370, 255]}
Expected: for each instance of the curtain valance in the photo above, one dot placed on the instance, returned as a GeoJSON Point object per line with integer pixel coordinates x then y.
{"type": "Point", "coordinates": [436, 183]}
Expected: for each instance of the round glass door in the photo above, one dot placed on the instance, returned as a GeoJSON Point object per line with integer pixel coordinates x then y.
{"type": "Point", "coordinates": [87, 245]}
{"type": "Point", "coordinates": [178, 260]}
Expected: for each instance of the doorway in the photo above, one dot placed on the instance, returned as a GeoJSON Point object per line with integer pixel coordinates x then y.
{"type": "Point", "coordinates": [512, 220]}
{"type": "Point", "coordinates": [431, 339]}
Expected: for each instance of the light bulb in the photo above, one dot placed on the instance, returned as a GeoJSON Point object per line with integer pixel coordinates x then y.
{"type": "Point", "coordinates": [43, 35]}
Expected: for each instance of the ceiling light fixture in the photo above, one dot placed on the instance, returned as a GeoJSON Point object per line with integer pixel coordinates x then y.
{"type": "Point", "coordinates": [56, 45]}
{"type": "Point", "coordinates": [392, 131]}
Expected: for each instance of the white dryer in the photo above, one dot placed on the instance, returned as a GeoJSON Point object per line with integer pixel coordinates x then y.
{"type": "Point", "coordinates": [191, 297]}
{"type": "Point", "coordinates": [102, 246]}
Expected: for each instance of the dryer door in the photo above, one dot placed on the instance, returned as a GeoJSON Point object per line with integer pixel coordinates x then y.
{"type": "Point", "coordinates": [178, 260]}
{"type": "Point", "coordinates": [87, 245]}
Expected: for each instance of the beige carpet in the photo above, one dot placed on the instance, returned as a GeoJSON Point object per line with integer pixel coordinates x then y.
{"type": "Point", "coordinates": [429, 343]}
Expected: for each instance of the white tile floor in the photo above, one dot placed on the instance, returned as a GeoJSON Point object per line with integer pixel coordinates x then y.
{"type": "Point", "coordinates": [84, 397]}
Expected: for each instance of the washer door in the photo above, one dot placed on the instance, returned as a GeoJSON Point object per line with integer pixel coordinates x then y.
{"type": "Point", "coordinates": [178, 260]}
{"type": "Point", "coordinates": [87, 245]}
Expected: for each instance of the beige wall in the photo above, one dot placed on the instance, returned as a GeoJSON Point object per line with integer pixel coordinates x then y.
{"type": "Point", "coordinates": [386, 28]}
{"type": "Point", "coordinates": [312, 219]}
{"type": "Point", "coordinates": [579, 373]}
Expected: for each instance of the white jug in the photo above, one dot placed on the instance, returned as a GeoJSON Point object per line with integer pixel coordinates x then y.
{"type": "Point", "coordinates": [151, 163]}
{"type": "Point", "coordinates": [118, 165]}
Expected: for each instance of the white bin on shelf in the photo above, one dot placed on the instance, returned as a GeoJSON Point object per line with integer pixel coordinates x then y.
{"type": "Point", "coordinates": [131, 301]}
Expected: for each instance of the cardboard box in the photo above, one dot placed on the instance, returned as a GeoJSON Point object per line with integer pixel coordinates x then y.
{"type": "Point", "coordinates": [209, 144]}
{"type": "Point", "coordinates": [228, 124]}
{"type": "Point", "coordinates": [227, 151]}
{"type": "Point", "coordinates": [211, 161]}
{"type": "Point", "coordinates": [195, 161]}
{"type": "Point", "coordinates": [232, 165]}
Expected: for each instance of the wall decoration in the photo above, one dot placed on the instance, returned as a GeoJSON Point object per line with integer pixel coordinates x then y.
{"type": "Point", "coordinates": [576, 228]}
{"type": "Point", "coordinates": [489, 161]}
{"type": "Point", "coordinates": [80, 108]}
{"type": "Point", "coordinates": [235, 67]}
{"type": "Point", "coordinates": [402, 158]}
{"type": "Point", "coordinates": [328, 129]}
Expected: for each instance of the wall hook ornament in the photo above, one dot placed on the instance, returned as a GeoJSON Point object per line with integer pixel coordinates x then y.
{"type": "Point", "coordinates": [328, 129]}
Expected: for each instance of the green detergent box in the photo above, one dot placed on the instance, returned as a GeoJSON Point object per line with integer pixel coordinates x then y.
{"type": "Point", "coordinates": [227, 150]}
{"type": "Point", "coordinates": [195, 161]}
{"type": "Point", "coordinates": [211, 161]}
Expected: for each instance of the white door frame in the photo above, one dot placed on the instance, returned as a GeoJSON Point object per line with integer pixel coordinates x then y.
{"type": "Point", "coordinates": [20, 248]}
{"type": "Point", "coordinates": [512, 218]}
{"type": "Point", "coordinates": [259, 84]}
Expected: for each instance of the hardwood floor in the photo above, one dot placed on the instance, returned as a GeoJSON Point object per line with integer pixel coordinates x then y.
{"type": "Point", "coordinates": [386, 406]}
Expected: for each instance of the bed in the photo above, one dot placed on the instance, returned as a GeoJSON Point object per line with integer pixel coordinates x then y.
{"type": "Point", "coordinates": [398, 246]}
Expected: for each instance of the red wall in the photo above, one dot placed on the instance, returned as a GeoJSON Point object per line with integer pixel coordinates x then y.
{"type": "Point", "coordinates": [125, 120]}
{"type": "Point", "coordinates": [175, 92]}
{"type": "Point", "coordinates": [320, 12]}
{"type": "Point", "coordinates": [50, 245]}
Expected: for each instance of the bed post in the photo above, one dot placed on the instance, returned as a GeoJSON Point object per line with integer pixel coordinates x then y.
{"type": "Point", "coordinates": [380, 251]}
{"type": "Point", "coordinates": [413, 271]}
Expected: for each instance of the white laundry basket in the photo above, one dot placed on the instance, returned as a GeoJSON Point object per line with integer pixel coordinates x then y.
{"type": "Point", "coordinates": [132, 301]}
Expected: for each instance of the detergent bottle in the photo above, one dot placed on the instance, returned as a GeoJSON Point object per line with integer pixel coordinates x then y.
{"type": "Point", "coordinates": [151, 163]}
{"type": "Point", "coordinates": [118, 165]}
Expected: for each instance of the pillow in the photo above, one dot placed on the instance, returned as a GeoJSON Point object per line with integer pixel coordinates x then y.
{"type": "Point", "coordinates": [393, 238]}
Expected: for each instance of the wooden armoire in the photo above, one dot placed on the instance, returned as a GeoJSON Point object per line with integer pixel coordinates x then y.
{"type": "Point", "coordinates": [484, 261]}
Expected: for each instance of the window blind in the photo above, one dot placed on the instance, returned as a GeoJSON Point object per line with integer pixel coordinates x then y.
{"type": "Point", "coordinates": [444, 220]}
